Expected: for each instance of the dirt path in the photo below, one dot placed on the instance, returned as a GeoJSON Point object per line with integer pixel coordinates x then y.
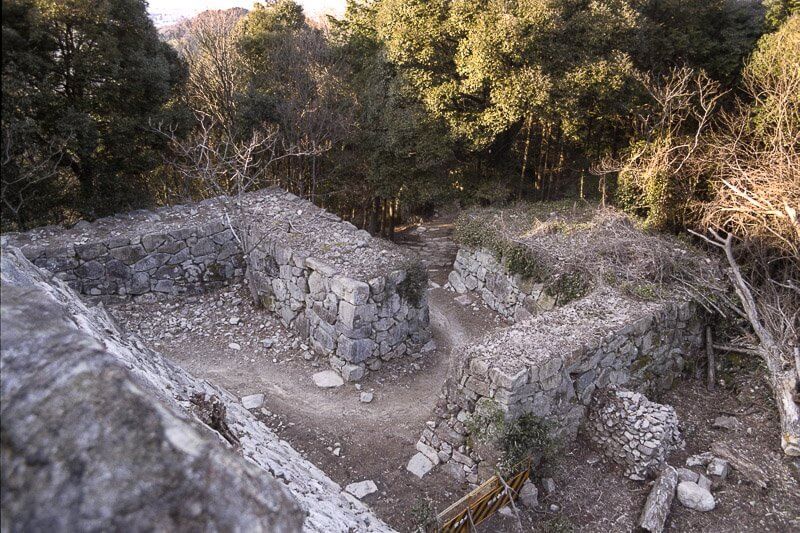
{"type": "Point", "coordinates": [350, 440]}
{"type": "Point", "coordinates": [354, 441]}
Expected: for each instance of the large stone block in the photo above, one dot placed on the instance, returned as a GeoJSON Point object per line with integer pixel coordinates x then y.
{"type": "Point", "coordinates": [354, 350]}
{"type": "Point", "coordinates": [351, 290]}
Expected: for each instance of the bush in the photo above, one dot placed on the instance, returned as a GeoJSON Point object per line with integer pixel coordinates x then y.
{"type": "Point", "coordinates": [413, 288]}
{"type": "Point", "coordinates": [527, 436]}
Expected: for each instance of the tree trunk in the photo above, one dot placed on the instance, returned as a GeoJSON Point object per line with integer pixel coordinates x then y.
{"type": "Point", "coordinates": [785, 387]}
{"type": "Point", "coordinates": [781, 367]}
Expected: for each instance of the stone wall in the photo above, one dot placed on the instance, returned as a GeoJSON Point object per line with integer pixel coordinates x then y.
{"type": "Point", "coordinates": [551, 366]}
{"type": "Point", "coordinates": [156, 461]}
{"type": "Point", "coordinates": [149, 260]}
{"type": "Point", "coordinates": [359, 300]}
{"type": "Point", "coordinates": [511, 295]}
{"type": "Point", "coordinates": [358, 324]}
{"type": "Point", "coordinates": [634, 432]}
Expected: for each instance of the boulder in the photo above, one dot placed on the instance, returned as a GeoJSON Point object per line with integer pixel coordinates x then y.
{"type": "Point", "coordinates": [419, 465]}
{"type": "Point", "coordinates": [529, 495]}
{"type": "Point", "coordinates": [693, 496]}
{"type": "Point", "coordinates": [327, 379]}
{"type": "Point", "coordinates": [254, 401]}
{"type": "Point", "coordinates": [101, 452]}
{"type": "Point", "coordinates": [361, 489]}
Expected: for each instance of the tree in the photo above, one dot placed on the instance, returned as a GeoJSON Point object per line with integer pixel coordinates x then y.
{"type": "Point", "coordinates": [90, 74]}
{"type": "Point", "coordinates": [753, 214]}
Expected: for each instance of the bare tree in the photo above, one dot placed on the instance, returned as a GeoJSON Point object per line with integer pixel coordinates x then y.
{"type": "Point", "coordinates": [215, 66]}
{"type": "Point", "coordinates": [754, 159]}
{"type": "Point", "coordinates": [227, 169]}
{"type": "Point", "coordinates": [24, 169]}
{"type": "Point", "coordinates": [660, 167]}
{"type": "Point", "coordinates": [772, 310]}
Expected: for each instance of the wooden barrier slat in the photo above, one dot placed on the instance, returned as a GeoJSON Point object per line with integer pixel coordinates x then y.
{"type": "Point", "coordinates": [481, 503]}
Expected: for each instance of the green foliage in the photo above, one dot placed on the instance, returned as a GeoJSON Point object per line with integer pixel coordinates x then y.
{"type": "Point", "coordinates": [643, 291]}
{"type": "Point", "coordinates": [423, 514]}
{"type": "Point", "coordinates": [414, 286]}
{"type": "Point", "coordinates": [525, 437]}
{"type": "Point", "coordinates": [519, 259]}
{"type": "Point", "coordinates": [568, 286]}
{"type": "Point", "coordinates": [81, 81]}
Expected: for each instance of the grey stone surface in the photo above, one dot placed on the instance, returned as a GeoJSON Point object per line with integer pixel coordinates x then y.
{"type": "Point", "coordinates": [144, 400]}
{"type": "Point", "coordinates": [695, 497]}
{"type": "Point", "coordinates": [342, 289]}
{"type": "Point", "coordinates": [100, 452]}
{"type": "Point", "coordinates": [327, 379]}
{"type": "Point", "coordinates": [684, 474]}
{"type": "Point", "coordinates": [633, 431]}
{"type": "Point", "coordinates": [718, 468]}
{"type": "Point", "coordinates": [656, 508]}
{"type": "Point", "coordinates": [552, 365]}
{"type": "Point", "coordinates": [529, 495]}
{"type": "Point", "coordinates": [419, 465]}
{"type": "Point", "coordinates": [254, 401]}
{"type": "Point", "coordinates": [366, 397]}
{"type": "Point", "coordinates": [361, 489]}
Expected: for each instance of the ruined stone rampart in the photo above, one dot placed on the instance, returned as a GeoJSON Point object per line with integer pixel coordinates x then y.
{"type": "Point", "coordinates": [359, 300]}
{"type": "Point", "coordinates": [552, 364]}
{"type": "Point", "coordinates": [168, 251]}
{"type": "Point", "coordinates": [512, 295]}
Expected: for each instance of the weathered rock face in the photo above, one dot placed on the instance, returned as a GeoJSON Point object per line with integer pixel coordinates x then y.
{"type": "Point", "coordinates": [634, 432]}
{"type": "Point", "coordinates": [85, 448]}
{"type": "Point", "coordinates": [99, 432]}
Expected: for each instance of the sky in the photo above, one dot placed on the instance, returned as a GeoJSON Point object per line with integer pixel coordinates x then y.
{"type": "Point", "coordinates": [192, 7]}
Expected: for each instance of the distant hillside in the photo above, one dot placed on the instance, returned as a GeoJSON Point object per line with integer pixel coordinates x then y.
{"type": "Point", "coordinates": [176, 33]}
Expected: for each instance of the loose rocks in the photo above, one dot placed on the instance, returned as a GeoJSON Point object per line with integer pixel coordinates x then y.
{"type": "Point", "coordinates": [361, 489]}
{"type": "Point", "coordinates": [419, 465]}
{"type": "Point", "coordinates": [327, 379]}
{"type": "Point", "coordinates": [656, 508]}
{"type": "Point", "coordinates": [634, 432]}
{"type": "Point", "coordinates": [693, 496]}
{"type": "Point", "coordinates": [254, 401]}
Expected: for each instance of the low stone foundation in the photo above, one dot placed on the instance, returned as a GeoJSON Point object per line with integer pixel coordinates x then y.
{"type": "Point", "coordinates": [359, 300]}
{"type": "Point", "coordinates": [512, 295]}
{"type": "Point", "coordinates": [168, 251]}
{"type": "Point", "coordinates": [634, 432]}
{"type": "Point", "coordinates": [551, 366]}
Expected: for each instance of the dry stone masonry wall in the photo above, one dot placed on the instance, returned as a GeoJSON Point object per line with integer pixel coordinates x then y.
{"type": "Point", "coordinates": [634, 432]}
{"type": "Point", "coordinates": [359, 300]}
{"type": "Point", "coordinates": [551, 366]}
{"type": "Point", "coordinates": [138, 254]}
{"type": "Point", "coordinates": [511, 295]}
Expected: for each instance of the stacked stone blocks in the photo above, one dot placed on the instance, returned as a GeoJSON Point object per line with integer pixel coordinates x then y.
{"type": "Point", "coordinates": [348, 293]}
{"type": "Point", "coordinates": [357, 324]}
{"type": "Point", "coordinates": [511, 295]}
{"type": "Point", "coordinates": [645, 355]}
{"type": "Point", "coordinates": [189, 259]}
{"type": "Point", "coordinates": [634, 432]}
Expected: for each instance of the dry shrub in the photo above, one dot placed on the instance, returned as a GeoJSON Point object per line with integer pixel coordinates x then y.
{"type": "Point", "coordinates": [756, 154]}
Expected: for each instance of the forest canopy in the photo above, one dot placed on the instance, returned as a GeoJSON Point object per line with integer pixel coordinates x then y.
{"type": "Point", "coordinates": [407, 104]}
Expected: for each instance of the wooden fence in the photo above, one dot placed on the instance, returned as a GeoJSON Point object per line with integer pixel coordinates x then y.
{"type": "Point", "coordinates": [481, 503]}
